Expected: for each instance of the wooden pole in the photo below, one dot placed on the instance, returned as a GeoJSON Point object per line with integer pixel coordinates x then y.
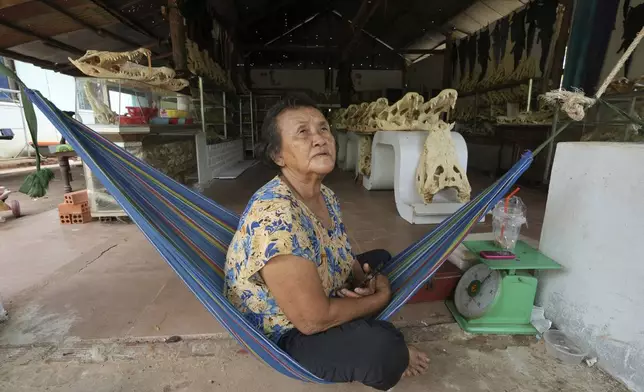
{"type": "Point", "coordinates": [447, 61]}
{"type": "Point", "coordinates": [177, 37]}
{"type": "Point", "coordinates": [560, 46]}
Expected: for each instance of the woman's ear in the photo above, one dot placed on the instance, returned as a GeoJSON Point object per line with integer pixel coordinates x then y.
{"type": "Point", "coordinates": [278, 159]}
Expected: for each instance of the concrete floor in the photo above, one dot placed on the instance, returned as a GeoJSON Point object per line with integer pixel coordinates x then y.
{"type": "Point", "coordinates": [90, 304]}
{"type": "Point", "coordinates": [459, 362]}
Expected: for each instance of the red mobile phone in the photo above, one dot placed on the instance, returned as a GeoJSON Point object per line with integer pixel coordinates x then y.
{"type": "Point", "coordinates": [497, 255]}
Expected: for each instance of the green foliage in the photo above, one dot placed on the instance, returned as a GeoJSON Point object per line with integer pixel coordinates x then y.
{"type": "Point", "coordinates": [36, 183]}
{"type": "Point", "coordinates": [64, 148]}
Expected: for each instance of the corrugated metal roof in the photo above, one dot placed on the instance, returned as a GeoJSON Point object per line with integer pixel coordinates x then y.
{"type": "Point", "coordinates": [44, 20]}
{"type": "Point", "coordinates": [474, 18]}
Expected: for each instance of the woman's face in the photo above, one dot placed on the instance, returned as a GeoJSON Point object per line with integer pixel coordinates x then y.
{"type": "Point", "coordinates": [308, 147]}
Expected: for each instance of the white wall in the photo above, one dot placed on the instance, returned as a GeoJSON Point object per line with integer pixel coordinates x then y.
{"type": "Point", "coordinates": [222, 156]}
{"type": "Point", "coordinates": [426, 75]}
{"type": "Point", "coordinates": [312, 79]}
{"type": "Point", "coordinates": [372, 79]}
{"type": "Point", "coordinates": [593, 226]}
{"type": "Point", "coordinates": [637, 59]}
{"type": "Point", "coordinates": [56, 87]}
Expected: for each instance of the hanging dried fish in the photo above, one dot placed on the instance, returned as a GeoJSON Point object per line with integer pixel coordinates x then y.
{"type": "Point", "coordinates": [484, 51]}
{"type": "Point", "coordinates": [497, 43]}
{"type": "Point", "coordinates": [531, 21]}
{"type": "Point", "coordinates": [471, 54]}
{"type": "Point", "coordinates": [633, 23]}
{"type": "Point", "coordinates": [462, 55]}
{"type": "Point", "coordinates": [504, 34]}
{"type": "Point", "coordinates": [517, 28]}
{"type": "Point", "coordinates": [454, 58]}
{"type": "Point", "coordinates": [546, 17]}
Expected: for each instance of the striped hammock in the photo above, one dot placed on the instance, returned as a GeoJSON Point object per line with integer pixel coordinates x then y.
{"type": "Point", "coordinates": [192, 232]}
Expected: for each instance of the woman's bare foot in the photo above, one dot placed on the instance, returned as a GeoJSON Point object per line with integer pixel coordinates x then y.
{"type": "Point", "coordinates": [418, 362]}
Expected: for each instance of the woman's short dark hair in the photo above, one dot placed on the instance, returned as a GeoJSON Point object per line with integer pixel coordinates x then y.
{"type": "Point", "coordinates": [271, 139]}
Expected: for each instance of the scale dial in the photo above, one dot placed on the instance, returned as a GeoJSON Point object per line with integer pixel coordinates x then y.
{"type": "Point", "coordinates": [477, 291]}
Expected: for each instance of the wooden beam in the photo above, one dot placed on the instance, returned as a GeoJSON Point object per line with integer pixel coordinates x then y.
{"type": "Point", "coordinates": [420, 51]}
{"type": "Point", "coordinates": [177, 36]}
{"type": "Point", "coordinates": [290, 48]}
{"type": "Point", "coordinates": [11, 3]}
{"type": "Point", "coordinates": [123, 19]}
{"type": "Point", "coordinates": [101, 32]}
{"type": "Point", "coordinates": [560, 46]}
{"type": "Point", "coordinates": [327, 49]}
{"type": "Point", "coordinates": [51, 41]}
{"type": "Point", "coordinates": [365, 12]}
{"type": "Point", "coordinates": [28, 59]}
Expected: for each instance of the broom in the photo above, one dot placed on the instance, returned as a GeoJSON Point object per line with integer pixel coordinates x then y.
{"type": "Point", "coordinates": [36, 183]}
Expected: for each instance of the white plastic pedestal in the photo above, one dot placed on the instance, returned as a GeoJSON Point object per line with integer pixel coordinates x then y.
{"type": "Point", "coordinates": [394, 159]}
{"type": "Point", "coordinates": [350, 162]}
{"type": "Point", "coordinates": [341, 139]}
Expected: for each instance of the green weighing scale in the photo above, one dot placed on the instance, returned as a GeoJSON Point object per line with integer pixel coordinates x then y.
{"type": "Point", "coordinates": [497, 296]}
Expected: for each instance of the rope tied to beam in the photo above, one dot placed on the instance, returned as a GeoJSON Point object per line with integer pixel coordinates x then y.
{"type": "Point", "coordinates": [574, 102]}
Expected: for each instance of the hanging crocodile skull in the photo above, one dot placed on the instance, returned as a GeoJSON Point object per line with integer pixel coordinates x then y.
{"type": "Point", "coordinates": [438, 167]}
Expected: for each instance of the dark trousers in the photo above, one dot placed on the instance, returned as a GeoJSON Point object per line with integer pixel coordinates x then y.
{"type": "Point", "coordinates": [372, 352]}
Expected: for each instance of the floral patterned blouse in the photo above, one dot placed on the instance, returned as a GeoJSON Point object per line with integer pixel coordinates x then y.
{"type": "Point", "coordinates": [276, 223]}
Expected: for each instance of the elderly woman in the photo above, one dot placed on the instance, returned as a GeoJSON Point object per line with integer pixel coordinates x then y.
{"type": "Point", "coordinates": [291, 272]}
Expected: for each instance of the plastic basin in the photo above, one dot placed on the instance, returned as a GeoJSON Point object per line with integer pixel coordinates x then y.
{"type": "Point", "coordinates": [562, 347]}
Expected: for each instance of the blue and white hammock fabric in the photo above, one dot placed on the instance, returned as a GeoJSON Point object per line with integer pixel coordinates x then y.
{"type": "Point", "coordinates": [192, 232]}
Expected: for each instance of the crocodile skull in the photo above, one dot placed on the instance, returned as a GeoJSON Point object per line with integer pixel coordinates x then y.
{"type": "Point", "coordinates": [109, 61]}
{"type": "Point", "coordinates": [336, 118]}
{"type": "Point", "coordinates": [355, 117]}
{"type": "Point", "coordinates": [402, 115]}
{"type": "Point", "coordinates": [370, 120]}
{"type": "Point", "coordinates": [123, 65]}
{"type": "Point", "coordinates": [430, 112]}
{"type": "Point", "coordinates": [201, 63]}
{"type": "Point", "coordinates": [364, 154]}
{"type": "Point", "coordinates": [438, 167]}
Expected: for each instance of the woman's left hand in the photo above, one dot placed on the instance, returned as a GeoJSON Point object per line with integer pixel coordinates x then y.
{"type": "Point", "coordinates": [358, 292]}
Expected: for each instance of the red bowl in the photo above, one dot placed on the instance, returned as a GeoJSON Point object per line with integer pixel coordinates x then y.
{"type": "Point", "coordinates": [136, 111]}
{"type": "Point", "coordinates": [138, 120]}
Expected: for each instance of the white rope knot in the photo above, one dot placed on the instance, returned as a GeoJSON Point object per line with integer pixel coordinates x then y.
{"type": "Point", "coordinates": [574, 103]}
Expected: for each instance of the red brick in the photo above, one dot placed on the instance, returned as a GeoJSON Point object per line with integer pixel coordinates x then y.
{"type": "Point", "coordinates": [68, 219]}
{"type": "Point", "coordinates": [76, 197]}
{"type": "Point", "coordinates": [81, 218]}
{"type": "Point", "coordinates": [65, 219]}
{"type": "Point", "coordinates": [80, 208]}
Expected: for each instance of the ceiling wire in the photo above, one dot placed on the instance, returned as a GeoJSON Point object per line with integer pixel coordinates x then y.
{"type": "Point", "coordinates": [307, 20]}
{"type": "Point", "coordinates": [490, 7]}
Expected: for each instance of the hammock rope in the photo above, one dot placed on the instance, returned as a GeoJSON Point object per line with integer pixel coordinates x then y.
{"type": "Point", "coordinates": [192, 232]}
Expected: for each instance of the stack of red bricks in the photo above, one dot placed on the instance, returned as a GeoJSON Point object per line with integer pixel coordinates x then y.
{"type": "Point", "coordinates": [75, 209]}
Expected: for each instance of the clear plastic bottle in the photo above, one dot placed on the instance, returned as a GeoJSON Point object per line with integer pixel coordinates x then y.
{"type": "Point", "coordinates": [507, 221]}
